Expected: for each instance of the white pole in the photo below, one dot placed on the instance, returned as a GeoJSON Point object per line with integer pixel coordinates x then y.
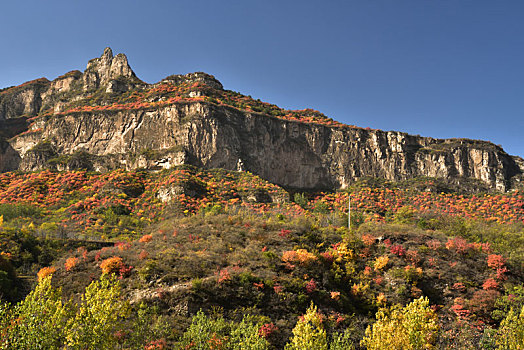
{"type": "Point", "coordinates": [349, 211]}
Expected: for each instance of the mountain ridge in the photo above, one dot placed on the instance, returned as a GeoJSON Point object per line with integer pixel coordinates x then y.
{"type": "Point", "coordinates": [115, 120]}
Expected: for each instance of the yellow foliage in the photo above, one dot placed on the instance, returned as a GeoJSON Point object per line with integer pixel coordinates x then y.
{"type": "Point", "coordinates": [343, 252]}
{"type": "Point", "coordinates": [412, 327]}
{"type": "Point", "coordinates": [309, 332]}
{"type": "Point", "coordinates": [360, 288]}
{"type": "Point", "coordinates": [381, 262]}
{"type": "Point", "coordinates": [511, 332]}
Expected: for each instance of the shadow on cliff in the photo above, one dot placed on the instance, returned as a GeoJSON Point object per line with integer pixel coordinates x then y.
{"type": "Point", "coordinates": [9, 158]}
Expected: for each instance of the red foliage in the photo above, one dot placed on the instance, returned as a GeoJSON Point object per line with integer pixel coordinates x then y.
{"type": "Point", "coordinates": [71, 263]}
{"type": "Point", "coordinates": [327, 256]}
{"type": "Point", "coordinates": [458, 244]}
{"type": "Point", "coordinates": [459, 309]}
{"type": "Point", "coordinates": [490, 283]}
{"type": "Point", "coordinates": [143, 255]}
{"type": "Point", "coordinates": [146, 239]}
{"type": "Point", "coordinates": [397, 249]}
{"type": "Point", "coordinates": [368, 240]}
{"type": "Point", "coordinates": [156, 345]}
{"type": "Point", "coordinates": [284, 233]}
{"type": "Point", "coordinates": [311, 286]}
{"type": "Point", "coordinates": [496, 261]}
{"type": "Point", "coordinates": [433, 244]}
{"type": "Point", "coordinates": [223, 276]}
{"type": "Point", "coordinates": [266, 330]}
{"type": "Point", "coordinates": [459, 286]}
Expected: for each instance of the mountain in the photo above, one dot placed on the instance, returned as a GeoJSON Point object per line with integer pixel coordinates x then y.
{"type": "Point", "coordinates": [106, 118]}
{"type": "Point", "coordinates": [199, 255]}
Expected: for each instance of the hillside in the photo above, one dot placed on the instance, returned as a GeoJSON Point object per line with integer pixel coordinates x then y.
{"type": "Point", "coordinates": [180, 215]}
{"type": "Point", "coordinates": [232, 244]}
{"type": "Point", "coordinates": [114, 120]}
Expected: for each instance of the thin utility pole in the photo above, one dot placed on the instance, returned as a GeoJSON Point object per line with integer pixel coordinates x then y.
{"type": "Point", "coordinates": [349, 211]}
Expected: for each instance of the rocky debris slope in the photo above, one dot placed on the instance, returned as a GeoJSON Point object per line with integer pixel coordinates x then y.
{"type": "Point", "coordinates": [106, 118]}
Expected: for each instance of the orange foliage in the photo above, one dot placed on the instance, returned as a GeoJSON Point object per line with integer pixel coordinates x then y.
{"type": "Point", "coordinates": [146, 239]}
{"type": "Point", "coordinates": [301, 256]}
{"type": "Point", "coordinates": [111, 265]}
{"type": "Point", "coordinates": [70, 263]}
{"type": "Point", "coordinates": [44, 272]}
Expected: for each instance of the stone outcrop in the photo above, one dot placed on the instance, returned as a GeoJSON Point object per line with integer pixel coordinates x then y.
{"type": "Point", "coordinates": [112, 73]}
{"type": "Point", "coordinates": [292, 154]}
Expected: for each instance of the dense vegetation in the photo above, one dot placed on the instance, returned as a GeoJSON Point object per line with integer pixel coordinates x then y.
{"type": "Point", "coordinates": [210, 259]}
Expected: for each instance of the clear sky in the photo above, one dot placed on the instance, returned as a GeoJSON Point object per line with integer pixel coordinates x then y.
{"type": "Point", "coordinates": [440, 68]}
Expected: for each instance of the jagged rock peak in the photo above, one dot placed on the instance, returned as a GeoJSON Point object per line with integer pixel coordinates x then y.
{"type": "Point", "coordinates": [200, 77]}
{"type": "Point", "coordinates": [102, 70]}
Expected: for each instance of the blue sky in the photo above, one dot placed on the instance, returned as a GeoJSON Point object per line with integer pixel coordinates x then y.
{"type": "Point", "coordinates": [439, 68]}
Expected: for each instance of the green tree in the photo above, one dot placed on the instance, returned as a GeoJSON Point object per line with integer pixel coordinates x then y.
{"type": "Point", "coordinates": [511, 332]}
{"type": "Point", "coordinates": [98, 317]}
{"type": "Point", "coordinates": [411, 327]}
{"type": "Point", "coordinates": [309, 334]}
{"type": "Point", "coordinates": [37, 322]}
{"type": "Point", "coordinates": [301, 200]}
{"type": "Point", "coordinates": [341, 341]}
{"type": "Point", "coordinates": [245, 336]}
{"type": "Point", "coordinates": [205, 331]}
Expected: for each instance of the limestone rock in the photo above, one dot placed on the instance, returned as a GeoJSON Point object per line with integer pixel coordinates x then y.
{"type": "Point", "coordinates": [288, 153]}
{"type": "Point", "coordinates": [100, 71]}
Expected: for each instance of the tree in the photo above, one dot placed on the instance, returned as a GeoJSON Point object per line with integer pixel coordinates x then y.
{"type": "Point", "coordinates": [206, 333]}
{"type": "Point", "coordinates": [37, 322]}
{"type": "Point", "coordinates": [309, 334]}
{"type": "Point", "coordinates": [98, 315]}
{"type": "Point", "coordinates": [245, 336]}
{"type": "Point", "coordinates": [341, 341]}
{"type": "Point", "coordinates": [511, 332]}
{"type": "Point", "coordinates": [411, 327]}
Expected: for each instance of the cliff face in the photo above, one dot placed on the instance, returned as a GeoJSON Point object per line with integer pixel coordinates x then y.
{"type": "Point", "coordinates": [210, 135]}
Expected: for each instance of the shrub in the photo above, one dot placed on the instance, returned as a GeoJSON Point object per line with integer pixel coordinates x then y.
{"type": "Point", "coordinates": [146, 239]}
{"type": "Point", "coordinates": [397, 249]}
{"type": "Point", "coordinates": [97, 319]}
{"type": "Point", "coordinates": [71, 263]}
{"type": "Point", "coordinates": [44, 272]}
{"type": "Point", "coordinates": [490, 283]}
{"type": "Point", "coordinates": [496, 261]}
{"type": "Point", "coordinates": [300, 256]}
{"type": "Point", "coordinates": [111, 265]}
{"type": "Point", "coordinates": [380, 262]}
{"type": "Point", "coordinates": [309, 332]}
{"type": "Point", "coordinates": [301, 200]}
{"type": "Point", "coordinates": [414, 326]}
{"type": "Point", "coordinates": [510, 335]}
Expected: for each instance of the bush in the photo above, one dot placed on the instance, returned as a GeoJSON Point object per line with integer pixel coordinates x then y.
{"type": "Point", "coordinates": [301, 200]}
{"type": "Point", "coordinates": [37, 322]}
{"type": "Point", "coordinates": [11, 211]}
{"type": "Point", "coordinates": [97, 319]}
{"type": "Point", "coordinates": [511, 331]}
{"type": "Point", "coordinates": [411, 327]}
{"type": "Point", "coordinates": [309, 332]}
{"type": "Point", "coordinates": [216, 333]}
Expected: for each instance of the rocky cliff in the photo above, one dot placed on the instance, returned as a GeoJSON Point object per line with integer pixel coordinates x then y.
{"type": "Point", "coordinates": [106, 118]}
